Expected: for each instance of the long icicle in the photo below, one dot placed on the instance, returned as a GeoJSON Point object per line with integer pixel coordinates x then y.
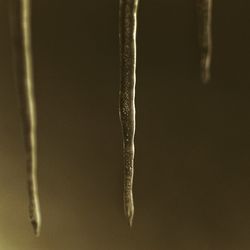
{"type": "Point", "coordinates": [205, 37]}
{"type": "Point", "coordinates": [127, 35]}
{"type": "Point", "coordinates": [20, 18]}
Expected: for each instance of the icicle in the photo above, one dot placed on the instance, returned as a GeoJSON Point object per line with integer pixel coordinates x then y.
{"type": "Point", "coordinates": [127, 35]}
{"type": "Point", "coordinates": [21, 34]}
{"type": "Point", "coordinates": [205, 37]}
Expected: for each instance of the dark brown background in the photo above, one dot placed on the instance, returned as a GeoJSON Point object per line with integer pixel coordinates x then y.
{"type": "Point", "coordinates": [192, 179]}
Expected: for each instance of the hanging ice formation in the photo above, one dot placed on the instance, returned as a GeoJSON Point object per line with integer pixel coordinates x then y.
{"type": "Point", "coordinates": [205, 37]}
{"type": "Point", "coordinates": [128, 25]}
{"type": "Point", "coordinates": [20, 17]}
{"type": "Point", "coordinates": [22, 54]}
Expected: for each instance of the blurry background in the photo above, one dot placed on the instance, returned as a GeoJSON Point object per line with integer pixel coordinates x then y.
{"type": "Point", "coordinates": [192, 177]}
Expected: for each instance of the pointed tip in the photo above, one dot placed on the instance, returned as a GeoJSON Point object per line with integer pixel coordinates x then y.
{"type": "Point", "coordinates": [205, 77]}
{"type": "Point", "coordinates": [36, 227]}
{"type": "Point", "coordinates": [131, 221]}
{"type": "Point", "coordinates": [129, 212]}
{"type": "Point", "coordinates": [37, 232]}
{"type": "Point", "coordinates": [205, 82]}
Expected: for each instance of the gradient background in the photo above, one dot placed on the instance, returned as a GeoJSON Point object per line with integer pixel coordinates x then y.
{"type": "Point", "coordinates": [192, 179]}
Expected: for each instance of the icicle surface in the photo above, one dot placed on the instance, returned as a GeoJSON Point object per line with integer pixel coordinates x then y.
{"type": "Point", "coordinates": [205, 37]}
{"type": "Point", "coordinates": [127, 35]}
{"type": "Point", "coordinates": [20, 17]}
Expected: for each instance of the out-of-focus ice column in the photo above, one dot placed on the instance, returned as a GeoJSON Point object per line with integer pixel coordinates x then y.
{"type": "Point", "coordinates": [205, 37]}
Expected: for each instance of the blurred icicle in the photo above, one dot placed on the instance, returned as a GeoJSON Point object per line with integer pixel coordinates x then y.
{"type": "Point", "coordinates": [205, 37]}
{"type": "Point", "coordinates": [20, 17]}
{"type": "Point", "coordinates": [127, 35]}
